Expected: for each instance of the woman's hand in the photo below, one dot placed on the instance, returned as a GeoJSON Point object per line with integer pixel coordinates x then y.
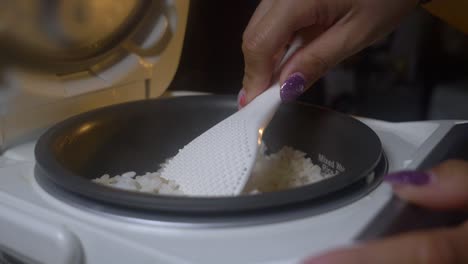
{"type": "Point", "coordinates": [333, 30]}
{"type": "Point", "coordinates": [444, 187]}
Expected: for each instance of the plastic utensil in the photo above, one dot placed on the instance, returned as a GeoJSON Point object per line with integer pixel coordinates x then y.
{"type": "Point", "coordinates": [219, 161]}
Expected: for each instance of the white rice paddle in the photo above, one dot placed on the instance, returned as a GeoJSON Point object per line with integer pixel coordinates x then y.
{"type": "Point", "coordinates": [219, 161]}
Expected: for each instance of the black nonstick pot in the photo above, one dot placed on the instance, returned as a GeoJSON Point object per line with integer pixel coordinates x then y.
{"type": "Point", "coordinates": [138, 136]}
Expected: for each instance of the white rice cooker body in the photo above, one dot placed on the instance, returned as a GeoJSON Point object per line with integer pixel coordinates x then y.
{"type": "Point", "coordinates": [31, 101]}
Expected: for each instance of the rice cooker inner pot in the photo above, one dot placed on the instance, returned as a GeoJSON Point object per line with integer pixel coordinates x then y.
{"type": "Point", "coordinates": [138, 136]}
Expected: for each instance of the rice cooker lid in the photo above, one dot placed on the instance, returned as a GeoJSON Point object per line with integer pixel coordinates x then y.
{"type": "Point", "coordinates": [71, 36]}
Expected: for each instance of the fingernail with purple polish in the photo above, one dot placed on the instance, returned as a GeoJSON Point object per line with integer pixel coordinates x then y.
{"type": "Point", "coordinates": [293, 87]}
{"type": "Point", "coordinates": [241, 100]}
{"type": "Point", "coordinates": [416, 178]}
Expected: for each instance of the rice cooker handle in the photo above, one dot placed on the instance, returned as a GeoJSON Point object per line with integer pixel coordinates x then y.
{"type": "Point", "coordinates": [399, 216]}
{"type": "Point", "coordinates": [164, 32]}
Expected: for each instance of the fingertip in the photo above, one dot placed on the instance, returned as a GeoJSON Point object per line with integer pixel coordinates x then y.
{"type": "Point", "coordinates": [298, 76]}
{"type": "Point", "coordinates": [429, 189]}
{"type": "Point", "coordinates": [241, 99]}
{"type": "Point", "coordinates": [410, 185]}
{"type": "Point", "coordinates": [411, 178]}
{"type": "Point", "coordinates": [293, 87]}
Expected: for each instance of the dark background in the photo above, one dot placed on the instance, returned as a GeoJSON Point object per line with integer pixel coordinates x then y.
{"type": "Point", "coordinates": [418, 72]}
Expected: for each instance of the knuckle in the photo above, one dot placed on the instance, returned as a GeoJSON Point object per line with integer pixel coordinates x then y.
{"type": "Point", "coordinates": [245, 38]}
{"type": "Point", "coordinates": [319, 13]}
{"type": "Point", "coordinates": [251, 45]}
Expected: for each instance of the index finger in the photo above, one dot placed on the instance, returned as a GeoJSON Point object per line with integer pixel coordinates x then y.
{"type": "Point", "coordinates": [263, 43]}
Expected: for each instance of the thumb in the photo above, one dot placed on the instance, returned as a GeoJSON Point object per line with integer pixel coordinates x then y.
{"type": "Point", "coordinates": [438, 246]}
{"type": "Point", "coordinates": [444, 187]}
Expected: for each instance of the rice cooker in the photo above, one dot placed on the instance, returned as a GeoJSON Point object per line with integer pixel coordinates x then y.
{"type": "Point", "coordinates": [69, 60]}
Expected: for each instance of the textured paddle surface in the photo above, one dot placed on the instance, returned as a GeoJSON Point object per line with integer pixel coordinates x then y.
{"type": "Point", "coordinates": [218, 162]}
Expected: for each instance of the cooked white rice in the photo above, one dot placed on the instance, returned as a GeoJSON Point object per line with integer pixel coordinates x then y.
{"type": "Point", "coordinates": [287, 168]}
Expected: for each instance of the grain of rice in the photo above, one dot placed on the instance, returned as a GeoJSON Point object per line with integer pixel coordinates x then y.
{"type": "Point", "coordinates": [287, 168]}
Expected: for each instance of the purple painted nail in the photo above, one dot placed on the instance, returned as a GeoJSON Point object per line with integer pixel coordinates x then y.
{"type": "Point", "coordinates": [416, 178]}
{"type": "Point", "coordinates": [293, 87]}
